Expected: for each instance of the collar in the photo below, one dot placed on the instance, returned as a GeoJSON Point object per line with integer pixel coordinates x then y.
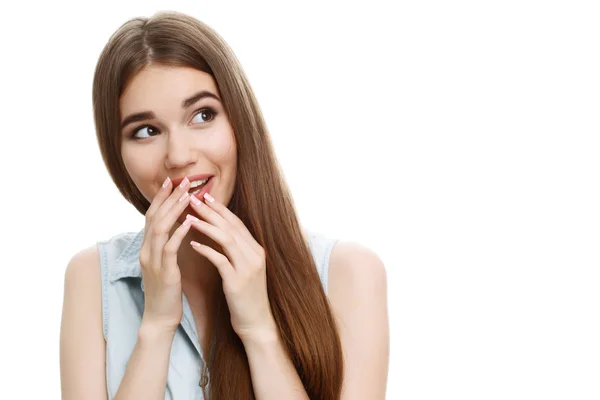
{"type": "Point", "coordinates": [127, 263]}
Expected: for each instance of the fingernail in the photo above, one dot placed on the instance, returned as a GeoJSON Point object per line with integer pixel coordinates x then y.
{"type": "Point", "coordinates": [166, 182]}
{"type": "Point", "coordinates": [209, 198]}
{"type": "Point", "coordinates": [195, 200]}
{"type": "Point", "coordinates": [189, 219]}
{"type": "Point", "coordinates": [184, 196]}
{"type": "Point", "coordinates": [184, 182]}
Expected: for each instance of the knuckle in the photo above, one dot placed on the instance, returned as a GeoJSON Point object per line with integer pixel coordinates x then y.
{"type": "Point", "coordinates": [228, 240]}
{"type": "Point", "coordinates": [170, 248]}
{"type": "Point", "coordinates": [150, 215]}
{"type": "Point", "coordinates": [145, 256]}
{"type": "Point", "coordinates": [144, 260]}
{"type": "Point", "coordinates": [239, 227]}
{"type": "Point", "coordinates": [159, 230]}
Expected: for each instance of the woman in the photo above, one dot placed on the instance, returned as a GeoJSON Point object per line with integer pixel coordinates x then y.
{"type": "Point", "coordinates": [222, 295]}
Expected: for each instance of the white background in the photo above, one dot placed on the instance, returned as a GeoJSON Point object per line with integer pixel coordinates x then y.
{"type": "Point", "coordinates": [459, 140]}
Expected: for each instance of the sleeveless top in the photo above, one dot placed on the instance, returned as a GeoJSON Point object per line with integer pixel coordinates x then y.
{"type": "Point", "coordinates": [123, 306]}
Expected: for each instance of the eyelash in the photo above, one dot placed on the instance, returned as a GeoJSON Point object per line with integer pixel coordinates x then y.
{"type": "Point", "coordinates": [202, 110]}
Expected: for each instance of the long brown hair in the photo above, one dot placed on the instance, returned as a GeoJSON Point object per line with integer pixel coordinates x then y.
{"type": "Point", "coordinates": [261, 199]}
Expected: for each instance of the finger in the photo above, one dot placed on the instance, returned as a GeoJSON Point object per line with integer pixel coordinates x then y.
{"type": "Point", "coordinates": [217, 259]}
{"type": "Point", "coordinates": [219, 215]}
{"type": "Point", "coordinates": [173, 199]}
{"type": "Point", "coordinates": [230, 245]}
{"type": "Point", "coordinates": [169, 260]}
{"type": "Point", "coordinates": [158, 200]}
{"type": "Point", "coordinates": [162, 227]}
{"type": "Point", "coordinates": [162, 205]}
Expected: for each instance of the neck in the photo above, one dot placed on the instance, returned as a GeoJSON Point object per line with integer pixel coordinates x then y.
{"type": "Point", "coordinates": [199, 277]}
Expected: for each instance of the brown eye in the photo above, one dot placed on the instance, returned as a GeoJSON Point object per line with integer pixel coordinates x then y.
{"type": "Point", "coordinates": [151, 131]}
{"type": "Point", "coordinates": [207, 115]}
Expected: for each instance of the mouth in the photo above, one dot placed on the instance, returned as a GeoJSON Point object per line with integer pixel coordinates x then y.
{"type": "Point", "coordinates": [199, 187]}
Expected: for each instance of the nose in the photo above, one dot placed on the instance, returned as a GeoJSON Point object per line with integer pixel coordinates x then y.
{"type": "Point", "coordinates": [179, 152]}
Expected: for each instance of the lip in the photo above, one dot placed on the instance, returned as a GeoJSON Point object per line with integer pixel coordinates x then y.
{"type": "Point", "coordinates": [205, 189]}
{"type": "Point", "coordinates": [191, 178]}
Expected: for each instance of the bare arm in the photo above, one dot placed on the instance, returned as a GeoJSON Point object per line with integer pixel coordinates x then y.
{"type": "Point", "coordinates": [358, 294]}
{"type": "Point", "coordinates": [273, 374]}
{"type": "Point", "coordinates": [83, 349]}
{"type": "Point", "coordinates": [146, 374]}
{"type": "Point", "coordinates": [82, 346]}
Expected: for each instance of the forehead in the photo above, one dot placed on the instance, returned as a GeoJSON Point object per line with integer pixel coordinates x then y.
{"type": "Point", "coordinates": [156, 86]}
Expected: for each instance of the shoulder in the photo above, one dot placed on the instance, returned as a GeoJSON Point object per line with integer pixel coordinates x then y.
{"type": "Point", "coordinates": [88, 261]}
{"type": "Point", "coordinates": [84, 266]}
{"type": "Point", "coordinates": [82, 287]}
{"type": "Point", "coordinates": [82, 280]}
{"type": "Point", "coordinates": [355, 269]}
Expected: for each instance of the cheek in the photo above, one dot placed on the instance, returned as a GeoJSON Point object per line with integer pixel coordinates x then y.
{"type": "Point", "coordinates": [226, 153]}
{"type": "Point", "coordinates": [225, 149]}
{"type": "Point", "coordinates": [220, 148]}
{"type": "Point", "coordinates": [139, 169]}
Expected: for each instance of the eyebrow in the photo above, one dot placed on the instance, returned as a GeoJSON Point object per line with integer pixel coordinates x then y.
{"type": "Point", "coordinates": [144, 115]}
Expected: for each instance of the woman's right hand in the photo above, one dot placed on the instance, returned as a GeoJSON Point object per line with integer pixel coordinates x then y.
{"type": "Point", "coordinates": [163, 307]}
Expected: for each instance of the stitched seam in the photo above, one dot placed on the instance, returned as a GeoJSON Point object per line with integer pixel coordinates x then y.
{"type": "Point", "coordinates": [104, 267]}
{"type": "Point", "coordinates": [121, 270]}
{"type": "Point", "coordinates": [134, 238]}
{"type": "Point", "coordinates": [131, 272]}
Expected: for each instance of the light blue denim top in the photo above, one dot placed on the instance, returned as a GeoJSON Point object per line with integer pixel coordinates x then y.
{"type": "Point", "coordinates": [123, 306]}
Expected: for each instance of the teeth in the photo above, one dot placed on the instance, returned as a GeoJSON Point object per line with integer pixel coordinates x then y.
{"type": "Point", "coordinates": [195, 184]}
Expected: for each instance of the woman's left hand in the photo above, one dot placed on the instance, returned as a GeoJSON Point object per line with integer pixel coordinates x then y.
{"type": "Point", "coordinates": [242, 267]}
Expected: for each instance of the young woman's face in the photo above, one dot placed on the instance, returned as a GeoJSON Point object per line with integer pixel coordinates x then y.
{"type": "Point", "coordinates": [178, 139]}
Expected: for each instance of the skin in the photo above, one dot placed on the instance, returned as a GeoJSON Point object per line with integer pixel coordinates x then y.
{"type": "Point", "coordinates": [180, 142]}
{"type": "Point", "coordinates": [183, 142]}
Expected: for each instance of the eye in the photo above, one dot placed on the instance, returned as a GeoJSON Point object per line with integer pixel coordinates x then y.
{"type": "Point", "coordinates": [151, 131]}
{"type": "Point", "coordinates": [207, 113]}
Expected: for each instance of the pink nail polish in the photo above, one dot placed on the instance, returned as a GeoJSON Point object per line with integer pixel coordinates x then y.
{"type": "Point", "coordinates": [195, 200]}
{"type": "Point", "coordinates": [209, 198]}
{"type": "Point", "coordinates": [166, 182]}
{"type": "Point", "coordinates": [189, 219]}
{"type": "Point", "coordinates": [184, 182]}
